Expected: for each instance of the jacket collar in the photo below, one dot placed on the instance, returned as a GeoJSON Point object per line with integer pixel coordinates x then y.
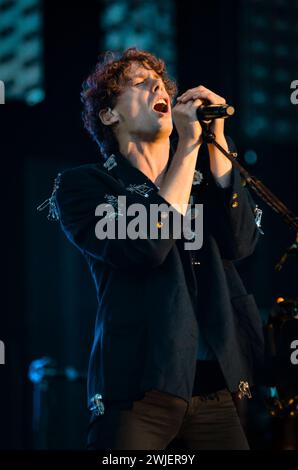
{"type": "Point", "coordinates": [118, 166]}
{"type": "Point", "coordinates": [133, 179]}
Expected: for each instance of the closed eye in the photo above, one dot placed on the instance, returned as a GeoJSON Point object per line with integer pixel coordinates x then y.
{"type": "Point", "coordinates": [139, 83]}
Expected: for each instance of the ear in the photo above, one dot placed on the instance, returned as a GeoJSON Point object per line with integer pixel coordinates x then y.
{"type": "Point", "coordinates": [108, 116]}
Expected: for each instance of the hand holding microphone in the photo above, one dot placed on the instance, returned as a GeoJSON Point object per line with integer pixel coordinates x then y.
{"type": "Point", "coordinates": [202, 104]}
{"type": "Point", "coordinates": [200, 108]}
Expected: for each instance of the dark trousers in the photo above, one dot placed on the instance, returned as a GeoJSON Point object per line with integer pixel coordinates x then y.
{"type": "Point", "coordinates": [160, 420]}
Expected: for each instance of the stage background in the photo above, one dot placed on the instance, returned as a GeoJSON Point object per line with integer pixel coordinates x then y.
{"type": "Point", "coordinates": [48, 300]}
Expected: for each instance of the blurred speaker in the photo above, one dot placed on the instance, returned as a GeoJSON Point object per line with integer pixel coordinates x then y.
{"type": "Point", "coordinates": [60, 415]}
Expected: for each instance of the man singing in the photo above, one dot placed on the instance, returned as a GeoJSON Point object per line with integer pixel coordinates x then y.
{"type": "Point", "coordinates": [176, 332]}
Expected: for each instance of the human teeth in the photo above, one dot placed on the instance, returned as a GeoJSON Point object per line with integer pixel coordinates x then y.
{"type": "Point", "coordinates": [161, 105]}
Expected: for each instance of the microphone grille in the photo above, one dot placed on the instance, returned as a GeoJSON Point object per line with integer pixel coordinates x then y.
{"type": "Point", "coordinates": [230, 110]}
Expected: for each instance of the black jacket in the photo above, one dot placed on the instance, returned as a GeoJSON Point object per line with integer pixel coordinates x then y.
{"type": "Point", "coordinates": [150, 300]}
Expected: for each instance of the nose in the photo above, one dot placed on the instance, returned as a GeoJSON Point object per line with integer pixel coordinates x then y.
{"type": "Point", "coordinates": [157, 84]}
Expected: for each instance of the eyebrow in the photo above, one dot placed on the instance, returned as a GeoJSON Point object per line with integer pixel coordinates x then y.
{"type": "Point", "coordinates": [142, 75]}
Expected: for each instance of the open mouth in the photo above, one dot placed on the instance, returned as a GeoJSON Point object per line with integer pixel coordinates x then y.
{"type": "Point", "coordinates": [161, 106]}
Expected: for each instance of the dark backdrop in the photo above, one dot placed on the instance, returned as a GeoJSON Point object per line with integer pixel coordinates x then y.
{"type": "Point", "coordinates": [48, 306]}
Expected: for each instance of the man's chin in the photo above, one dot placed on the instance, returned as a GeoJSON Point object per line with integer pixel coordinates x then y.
{"type": "Point", "coordinates": [165, 126]}
{"type": "Point", "coordinates": [163, 130]}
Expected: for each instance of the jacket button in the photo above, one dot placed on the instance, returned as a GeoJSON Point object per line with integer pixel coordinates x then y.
{"type": "Point", "coordinates": [97, 405]}
{"type": "Point", "coordinates": [243, 389]}
{"type": "Point", "coordinates": [235, 195]}
{"type": "Point", "coordinates": [235, 204]}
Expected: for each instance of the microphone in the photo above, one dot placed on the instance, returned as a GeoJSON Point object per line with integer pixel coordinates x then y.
{"type": "Point", "coordinates": [214, 111]}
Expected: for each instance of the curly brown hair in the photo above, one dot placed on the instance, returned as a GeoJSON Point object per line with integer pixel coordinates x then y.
{"type": "Point", "coordinates": [109, 78]}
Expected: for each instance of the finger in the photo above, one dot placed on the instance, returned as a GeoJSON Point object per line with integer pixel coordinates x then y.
{"type": "Point", "coordinates": [188, 98]}
{"type": "Point", "coordinates": [206, 95]}
{"type": "Point", "coordinates": [210, 96]}
{"type": "Point", "coordinates": [191, 91]}
{"type": "Point", "coordinates": [188, 104]}
{"type": "Point", "coordinates": [203, 93]}
{"type": "Point", "coordinates": [195, 102]}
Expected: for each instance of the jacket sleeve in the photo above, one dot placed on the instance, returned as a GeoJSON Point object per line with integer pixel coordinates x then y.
{"type": "Point", "coordinates": [81, 191]}
{"type": "Point", "coordinates": [230, 214]}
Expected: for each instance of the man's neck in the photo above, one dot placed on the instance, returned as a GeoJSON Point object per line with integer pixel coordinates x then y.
{"type": "Point", "coordinates": [150, 158]}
